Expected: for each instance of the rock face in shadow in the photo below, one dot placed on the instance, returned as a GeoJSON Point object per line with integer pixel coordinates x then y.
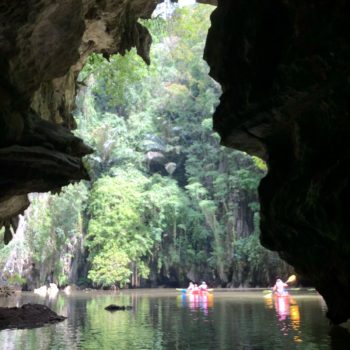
{"type": "Point", "coordinates": [284, 67]}
{"type": "Point", "coordinates": [43, 46]}
{"type": "Point", "coordinates": [27, 316]}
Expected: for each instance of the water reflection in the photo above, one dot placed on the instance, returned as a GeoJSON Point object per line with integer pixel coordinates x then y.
{"type": "Point", "coordinates": [288, 315]}
{"type": "Point", "coordinates": [197, 301]}
{"type": "Point", "coordinates": [282, 307]}
{"type": "Point", "coordinates": [162, 320]}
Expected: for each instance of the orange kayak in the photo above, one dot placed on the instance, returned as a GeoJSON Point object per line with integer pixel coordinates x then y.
{"type": "Point", "coordinates": [195, 292]}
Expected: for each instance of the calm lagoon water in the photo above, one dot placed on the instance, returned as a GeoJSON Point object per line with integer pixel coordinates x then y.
{"type": "Point", "coordinates": [164, 319]}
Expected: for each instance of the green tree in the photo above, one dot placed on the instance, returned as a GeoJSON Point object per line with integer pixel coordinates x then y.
{"type": "Point", "coordinates": [110, 267]}
{"type": "Point", "coordinates": [116, 226]}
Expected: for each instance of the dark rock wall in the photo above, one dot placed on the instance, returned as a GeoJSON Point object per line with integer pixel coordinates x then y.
{"type": "Point", "coordinates": [43, 45]}
{"type": "Point", "coordinates": [284, 67]}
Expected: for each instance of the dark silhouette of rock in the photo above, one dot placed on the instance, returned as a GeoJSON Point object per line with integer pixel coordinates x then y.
{"type": "Point", "coordinates": [28, 316]}
{"type": "Point", "coordinates": [113, 307]}
{"type": "Point", "coordinates": [284, 68]}
{"type": "Point", "coordinates": [42, 50]}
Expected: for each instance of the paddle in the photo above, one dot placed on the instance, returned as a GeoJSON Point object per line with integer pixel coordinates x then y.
{"type": "Point", "coordinates": [291, 279]}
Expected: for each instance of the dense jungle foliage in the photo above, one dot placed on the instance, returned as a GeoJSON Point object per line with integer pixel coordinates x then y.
{"type": "Point", "coordinates": [166, 203]}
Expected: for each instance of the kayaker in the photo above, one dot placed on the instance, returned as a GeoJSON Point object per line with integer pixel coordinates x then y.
{"type": "Point", "coordinates": [279, 286]}
{"type": "Point", "coordinates": [203, 287]}
{"type": "Point", "coordinates": [190, 286]}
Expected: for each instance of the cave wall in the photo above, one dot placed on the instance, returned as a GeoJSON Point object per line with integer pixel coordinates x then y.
{"type": "Point", "coordinates": [43, 46]}
{"type": "Point", "coordinates": [284, 67]}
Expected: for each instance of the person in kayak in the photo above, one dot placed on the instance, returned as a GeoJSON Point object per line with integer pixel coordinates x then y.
{"type": "Point", "coordinates": [203, 287]}
{"type": "Point", "coordinates": [279, 288]}
{"type": "Point", "coordinates": [195, 289]}
{"type": "Point", "coordinates": [190, 287]}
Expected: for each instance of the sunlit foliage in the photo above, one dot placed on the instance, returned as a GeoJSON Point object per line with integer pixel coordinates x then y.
{"type": "Point", "coordinates": [167, 203]}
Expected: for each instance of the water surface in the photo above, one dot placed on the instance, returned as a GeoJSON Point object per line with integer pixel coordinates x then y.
{"type": "Point", "coordinates": [164, 319]}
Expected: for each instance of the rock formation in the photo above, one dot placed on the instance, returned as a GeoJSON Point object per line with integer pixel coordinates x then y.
{"type": "Point", "coordinates": [113, 307]}
{"type": "Point", "coordinates": [43, 46]}
{"type": "Point", "coordinates": [284, 68]}
{"type": "Point", "coordinates": [28, 316]}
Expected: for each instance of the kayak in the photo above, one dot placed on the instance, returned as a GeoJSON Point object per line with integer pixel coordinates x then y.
{"type": "Point", "coordinates": [281, 295]}
{"type": "Point", "coordinates": [194, 292]}
{"type": "Point", "coordinates": [276, 295]}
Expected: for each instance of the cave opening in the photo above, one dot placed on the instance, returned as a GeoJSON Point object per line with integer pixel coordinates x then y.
{"type": "Point", "coordinates": [193, 203]}
{"type": "Point", "coordinates": [282, 73]}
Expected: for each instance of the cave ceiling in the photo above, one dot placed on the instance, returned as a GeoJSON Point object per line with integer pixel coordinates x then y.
{"type": "Point", "coordinates": [284, 69]}
{"type": "Point", "coordinates": [43, 46]}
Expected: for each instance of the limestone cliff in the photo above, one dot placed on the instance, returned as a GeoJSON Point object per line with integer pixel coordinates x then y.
{"type": "Point", "coordinates": [43, 45]}
{"type": "Point", "coordinates": [284, 68]}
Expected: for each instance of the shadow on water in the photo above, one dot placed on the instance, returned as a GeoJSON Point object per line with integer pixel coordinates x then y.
{"type": "Point", "coordinates": [340, 338]}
